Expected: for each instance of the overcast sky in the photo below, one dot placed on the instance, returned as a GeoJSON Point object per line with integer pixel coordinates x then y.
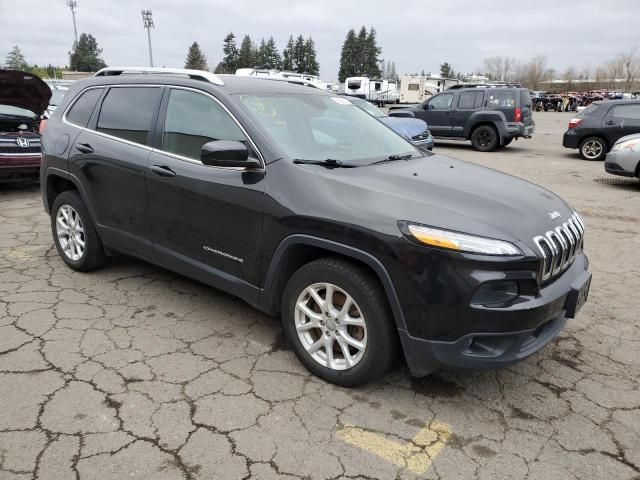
{"type": "Point", "coordinates": [416, 34]}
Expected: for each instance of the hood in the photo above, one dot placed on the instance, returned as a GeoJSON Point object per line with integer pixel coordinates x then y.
{"type": "Point", "coordinates": [409, 127]}
{"type": "Point", "coordinates": [437, 191]}
{"type": "Point", "coordinates": [24, 90]}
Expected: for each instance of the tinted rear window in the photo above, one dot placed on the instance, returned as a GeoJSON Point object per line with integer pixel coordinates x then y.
{"type": "Point", "coordinates": [127, 112]}
{"type": "Point", "coordinates": [82, 109]}
{"type": "Point", "coordinates": [631, 112]}
{"type": "Point", "coordinates": [525, 98]}
{"type": "Point", "coordinates": [590, 110]}
{"type": "Point", "coordinates": [470, 100]}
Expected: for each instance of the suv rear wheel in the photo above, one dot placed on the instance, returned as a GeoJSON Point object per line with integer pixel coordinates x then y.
{"type": "Point", "coordinates": [484, 138]}
{"type": "Point", "coordinates": [593, 148]}
{"type": "Point", "coordinates": [335, 315]}
{"type": "Point", "coordinates": [75, 236]}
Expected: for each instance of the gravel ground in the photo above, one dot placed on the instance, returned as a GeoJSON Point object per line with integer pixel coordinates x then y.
{"type": "Point", "coordinates": [134, 372]}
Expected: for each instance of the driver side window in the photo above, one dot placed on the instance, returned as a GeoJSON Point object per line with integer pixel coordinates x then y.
{"type": "Point", "coordinates": [440, 102]}
{"type": "Point", "coordinates": [194, 119]}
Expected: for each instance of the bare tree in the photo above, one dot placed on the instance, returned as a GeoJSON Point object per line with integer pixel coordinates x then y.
{"type": "Point", "coordinates": [536, 72]}
{"type": "Point", "coordinates": [499, 68]}
{"type": "Point", "coordinates": [631, 68]}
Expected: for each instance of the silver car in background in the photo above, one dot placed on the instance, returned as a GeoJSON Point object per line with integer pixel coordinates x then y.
{"type": "Point", "coordinates": [624, 157]}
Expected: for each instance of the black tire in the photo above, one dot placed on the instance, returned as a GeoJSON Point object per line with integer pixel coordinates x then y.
{"type": "Point", "coordinates": [593, 149]}
{"type": "Point", "coordinates": [485, 138]}
{"type": "Point", "coordinates": [367, 293]}
{"type": "Point", "coordinates": [93, 256]}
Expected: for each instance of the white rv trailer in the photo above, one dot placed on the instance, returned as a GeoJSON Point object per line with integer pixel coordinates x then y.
{"type": "Point", "coordinates": [374, 90]}
{"type": "Point", "coordinates": [417, 88]}
{"type": "Point", "coordinates": [286, 76]}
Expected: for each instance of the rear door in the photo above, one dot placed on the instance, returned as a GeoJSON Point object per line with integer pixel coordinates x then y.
{"type": "Point", "coordinates": [526, 108]}
{"type": "Point", "coordinates": [437, 113]}
{"type": "Point", "coordinates": [468, 103]}
{"type": "Point", "coordinates": [625, 119]}
{"type": "Point", "coordinates": [110, 160]}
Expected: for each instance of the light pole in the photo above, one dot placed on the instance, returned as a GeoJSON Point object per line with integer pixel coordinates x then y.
{"type": "Point", "coordinates": [73, 6]}
{"type": "Point", "coordinates": [147, 20]}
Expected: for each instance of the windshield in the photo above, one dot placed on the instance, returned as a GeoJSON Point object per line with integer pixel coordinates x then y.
{"type": "Point", "coordinates": [320, 127]}
{"type": "Point", "coordinates": [367, 107]}
{"type": "Point", "coordinates": [15, 111]}
{"type": "Point", "coordinates": [56, 97]}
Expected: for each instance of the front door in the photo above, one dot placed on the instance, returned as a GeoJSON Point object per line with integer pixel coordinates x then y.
{"type": "Point", "coordinates": [206, 222]}
{"type": "Point", "coordinates": [437, 113]}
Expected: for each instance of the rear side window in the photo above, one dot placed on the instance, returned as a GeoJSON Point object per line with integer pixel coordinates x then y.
{"type": "Point", "coordinates": [128, 112]}
{"type": "Point", "coordinates": [81, 111]}
{"type": "Point", "coordinates": [502, 98]}
{"type": "Point", "coordinates": [525, 98]}
{"type": "Point", "coordinates": [470, 100]}
{"type": "Point", "coordinates": [632, 112]}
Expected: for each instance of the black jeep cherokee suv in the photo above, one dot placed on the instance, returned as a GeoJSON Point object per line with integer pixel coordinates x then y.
{"type": "Point", "coordinates": [305, 206]}
{"type": "Point", "coordinates": [491, 117]}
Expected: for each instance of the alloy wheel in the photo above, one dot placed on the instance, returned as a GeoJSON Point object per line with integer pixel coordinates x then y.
{"type": "Point", "coordinates": [592, 149]}
{"type": "Point", "coordinates": [70, 231]}
{"type": "Point", "coordinates": [331, 326]}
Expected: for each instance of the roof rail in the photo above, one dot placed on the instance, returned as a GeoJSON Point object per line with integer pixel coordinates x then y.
{"type": "Point", "coordinates": [194, 74]}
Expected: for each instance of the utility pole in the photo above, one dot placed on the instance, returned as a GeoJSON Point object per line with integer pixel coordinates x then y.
{"type": "Point", "coordinates": [73, 5]}
{"type": "Point", "coordinates": [147, 20]}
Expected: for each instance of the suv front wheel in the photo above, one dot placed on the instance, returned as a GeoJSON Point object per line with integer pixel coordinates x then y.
{"type": "Point", "coordinates": [485, 138]}
{"type": "Point", "coordinates": [336, 317]}
{"type": "Point", "coordinates": [75, 237]}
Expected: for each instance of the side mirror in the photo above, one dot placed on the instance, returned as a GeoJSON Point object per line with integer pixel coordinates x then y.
{"type": "Point", "coordinates": [227, 153]}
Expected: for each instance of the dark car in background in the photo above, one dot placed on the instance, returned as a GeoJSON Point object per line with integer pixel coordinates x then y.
{"type": "Point", "coordinates": [306, 207]}
{"type": "Point", "coordinates": [490, 116]}
{"type": "Point", "coordinates": [413, 129]}
{"type": "Point", "coordinates": [598, 127]}
{"type": "Point", "coordinates": [23, 99]}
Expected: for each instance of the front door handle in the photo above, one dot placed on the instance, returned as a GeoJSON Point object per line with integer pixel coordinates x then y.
{"type": "Point", "coordinates": [609, 122]}
{"type": "Point", "coordinates": [84, 148]}
{"type": "Point", "coordinates": [163, 171]}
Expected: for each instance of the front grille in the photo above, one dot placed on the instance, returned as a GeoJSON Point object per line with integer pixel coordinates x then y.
{"type": "Point", "coordinates": [16, 149]}
{"type": "Point", "coordinates": [422, 136]}
{"type": "Point", "coordinates": [560, 246]}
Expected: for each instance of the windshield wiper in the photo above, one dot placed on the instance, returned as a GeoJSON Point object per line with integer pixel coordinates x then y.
{"type": "Point", "coordinates": [393, 158]}
{"type": "Point", "coordinates": [329, 162]}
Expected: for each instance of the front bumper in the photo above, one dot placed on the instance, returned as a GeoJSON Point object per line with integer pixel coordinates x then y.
{"type": "Point", "coordinates": [625, 163]}
{"type": "Point", "coordinates": [19, 167]}
{"type": "Point", "coordinates": [444, 329]}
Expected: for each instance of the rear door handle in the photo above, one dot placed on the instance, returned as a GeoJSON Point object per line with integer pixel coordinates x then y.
{"type": "Point", "coordinates": [163, 171]}
{"type": "Point", "coordinates": [609, 122]}
{"type": "Point", "coordinates": [84, 148]}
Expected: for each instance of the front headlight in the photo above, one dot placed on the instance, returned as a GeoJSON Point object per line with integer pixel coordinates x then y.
{"type": "Point", "coordinates": [626, 145]}
{"type": "Point", "coordinates": [461, 242]}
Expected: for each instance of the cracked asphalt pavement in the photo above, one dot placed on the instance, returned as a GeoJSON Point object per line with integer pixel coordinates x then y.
{"type": "Point", "coordinates": [135, 372]}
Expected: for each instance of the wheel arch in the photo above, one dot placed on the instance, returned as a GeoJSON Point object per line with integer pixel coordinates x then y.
{"type": "Point", "coordinates": [58, 181]}
{"type": "Point", "coordinates": [297, 250]}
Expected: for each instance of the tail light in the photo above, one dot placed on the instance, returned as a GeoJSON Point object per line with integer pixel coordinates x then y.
{"type": "Point", "coordinates": [574, 123]}
{"type": "Point", "coordinates": [518, 115]}
{"type": "Point", "coordinates": [41, 127]}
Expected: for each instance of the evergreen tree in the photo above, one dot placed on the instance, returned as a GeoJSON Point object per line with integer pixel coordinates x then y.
{"type": "Point", "coordinates": [348, 57]}
{"type": "Point", "coordinates": [393, 75]}
{"type": "Point", "coordinates": [195, 58]}
{"type": "Point", "coordinates": [298, 55]}
{"type": "Point", "coordinates": [311, 65]}
{"type": "Point", "coordinates": [372, 55]}
{"type": "Point", "coordinates": [230, 61]}
{"type": "Point", "coordinates": [361, 52]}
{"type": "Point", "coordinates": [246, 58]}
{"type": "Point", "coordinates": [85, 55]}
{"type": "Point", "coordinates": [260, 56]}
{"type": "Point", "coordinates": [270, 55]}
{"type": "Point", "coordinates": [15, 60]}
{"type": "Point", "coordinates": [446, 70]}
{"type": "Point", "coordinates": [287, 55]}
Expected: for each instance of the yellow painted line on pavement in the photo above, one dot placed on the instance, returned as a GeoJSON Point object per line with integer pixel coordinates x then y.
{"type": "Point", "coordinates": [25, 252]}
{"type": "Point", "coordinates": [416, 456]}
